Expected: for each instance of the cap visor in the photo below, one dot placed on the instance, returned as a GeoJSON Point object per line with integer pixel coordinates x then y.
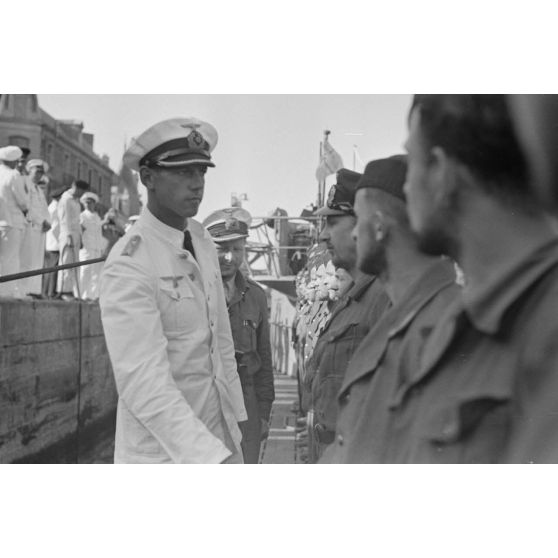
{"type": "Point", "coordinates": [228, 237]}
{"type": "Point", "coordinates": [326, 211]}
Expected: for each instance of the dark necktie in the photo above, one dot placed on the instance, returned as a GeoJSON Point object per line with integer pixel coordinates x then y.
{"type": "Point", "coordinates": [187, 244]}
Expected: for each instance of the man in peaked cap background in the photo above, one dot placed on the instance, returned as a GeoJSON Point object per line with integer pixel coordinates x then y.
{"type": "Point", "coordinates": [14, 199]}
{"type": "Point", "coordinates": [373, 426]}
{"type": "Point", "coordinates": [247, 305]}
{"type": "Point", "coordinates": [355, 313]}
{"type": "Point", "coordinates": [164, 312]}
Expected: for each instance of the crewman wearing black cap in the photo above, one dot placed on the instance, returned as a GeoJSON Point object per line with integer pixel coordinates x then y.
{"type": "Point", "coordinates": [247, 305]}
{"type": "Point", "coordinates": [421, 288]}
{"type": "Point", "coordinates": [165, 316]}
{"type": "Point", "coordinates": [355, 313]}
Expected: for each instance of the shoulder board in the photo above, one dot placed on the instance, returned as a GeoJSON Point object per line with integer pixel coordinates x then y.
{"type": "Point", "coordinates": [131, 245]}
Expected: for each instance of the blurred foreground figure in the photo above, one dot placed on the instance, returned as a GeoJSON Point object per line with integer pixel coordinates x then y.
{"type": "Point", "coordinates": [356, 312]}
{"type": "Point", "coordinates": [536, 121]}
{"type": "Point", "coordinates": [374, 425]}
{"type": "Point", "coordinates": [164, 312]}
{"type": "Point", "coordinates": [247, 305]}
{"type": "Point", "coordinates": [487, 386]}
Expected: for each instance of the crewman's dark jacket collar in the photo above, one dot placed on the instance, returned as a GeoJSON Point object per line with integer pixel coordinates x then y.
{"type": "Point", "coordinates": [437, 276]}
{"type": "Point", "coordinates": [486, 304]}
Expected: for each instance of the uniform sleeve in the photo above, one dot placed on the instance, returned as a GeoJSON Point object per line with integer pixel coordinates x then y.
{"type": "Point", "coordinates": [137, 349]}
{"type": "Point", "coordinates": [534, 437]}
{"type": "Point", "coordinates": [20, 194]}
{"type": "Point", "coordinates": [62, 210]}
{"type": "Point", "coordinates": [263, 379]}
{"type": "Point", "coordinates": [226, 349]}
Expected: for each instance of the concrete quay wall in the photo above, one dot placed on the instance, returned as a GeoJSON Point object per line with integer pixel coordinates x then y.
{"type": "Point", "coordinates": [57, 392]}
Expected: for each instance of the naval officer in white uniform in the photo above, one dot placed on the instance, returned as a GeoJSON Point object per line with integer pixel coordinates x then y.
{"type": "Point", "coordinates": [165, 316]}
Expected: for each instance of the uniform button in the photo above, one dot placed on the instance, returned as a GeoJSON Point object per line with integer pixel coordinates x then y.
{"type": "Point", "coordinates": [211, 350]}
{"type": "Point", "coordinates": [340, 439]}
{"type": "Point", "coordinates": [211, 324]}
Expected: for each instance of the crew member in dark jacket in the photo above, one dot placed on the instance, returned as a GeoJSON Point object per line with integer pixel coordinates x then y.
{"type": "Point", "coordinates": [359, 308]}
{"type": "Point", "coordinates": [248, 314]}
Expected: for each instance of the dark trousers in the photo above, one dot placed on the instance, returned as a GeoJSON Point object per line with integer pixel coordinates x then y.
{"type": "Point", "coordinates": [49, 279]}
{"type": "Point", "coordinates": [251, 429]}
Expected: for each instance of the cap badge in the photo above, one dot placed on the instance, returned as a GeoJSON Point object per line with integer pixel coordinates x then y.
{"type": "Point", "coordinates": [231, 223]}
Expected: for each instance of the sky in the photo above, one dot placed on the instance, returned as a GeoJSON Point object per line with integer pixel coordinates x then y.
{"type": "Point", "coordinates": [268, 145]}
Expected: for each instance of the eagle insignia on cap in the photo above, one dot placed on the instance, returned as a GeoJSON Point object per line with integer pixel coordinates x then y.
{"type": "Point", "coordinates": [191, 125]}
{"type": "Point", "coordinates": [331, 195]}
{"type": "Point", "coordinates": [231, 223]}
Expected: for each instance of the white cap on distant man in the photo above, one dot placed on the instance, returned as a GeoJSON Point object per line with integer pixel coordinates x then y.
{"type": "Point", "coordinates": [176, 142]}
{"type": "Point", "coordinates": [89, 196]}
{"type": "Point", "coordinates": [10, 153]}
{"type": "Point", "coordinates": [37, 163]}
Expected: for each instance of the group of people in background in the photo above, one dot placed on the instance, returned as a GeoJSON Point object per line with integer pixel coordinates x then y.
{"type": "Point", "coordinates": [37, 232]}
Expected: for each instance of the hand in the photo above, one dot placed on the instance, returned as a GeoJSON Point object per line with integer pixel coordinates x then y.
{"type": "Point", "coordinates": [264, 432]}
{"type": "Point", "coordinates": [46, 226]}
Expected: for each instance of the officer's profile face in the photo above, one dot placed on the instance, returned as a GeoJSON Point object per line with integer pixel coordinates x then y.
{"type": "Point", "coordinates": [174, 193]}
{"type": "Point", "coordinates": [21, 164]}
{"type": "Point", "coordinates": [370, 234]}
{"type": "Point", "coordinates": [429, 205]}
{"type": "Point", "coordinates": [337, 236]}
{"type": "Point", "coordinates": [231, 255]}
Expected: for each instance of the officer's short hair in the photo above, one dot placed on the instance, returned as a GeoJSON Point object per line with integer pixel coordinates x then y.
{"type": "Point", "coordinates": [477, 131]}
{"type": "Point", "coordinates": [389, 204]}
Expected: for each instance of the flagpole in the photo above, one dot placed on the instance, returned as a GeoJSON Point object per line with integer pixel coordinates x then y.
{"type": "Point", "coordinates": [319, 199]}
{"type": "Point", "coordinates": [323, 184]}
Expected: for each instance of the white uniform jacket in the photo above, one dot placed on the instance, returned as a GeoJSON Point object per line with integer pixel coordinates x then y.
{"type": "Point", "coordinates": [69, 210]}
{"type": "Point", "coordinates": [38, 208]}
{"type": "Point", "coordinates": [169, 339]}
{"type": "Point", "coordinates": [14, 195]}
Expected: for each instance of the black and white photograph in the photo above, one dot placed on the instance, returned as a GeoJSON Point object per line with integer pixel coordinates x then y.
{"type": "Point", "coordinates": [317, 241]}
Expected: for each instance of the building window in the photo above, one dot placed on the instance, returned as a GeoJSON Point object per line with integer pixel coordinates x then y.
{"type": "Point", "coordinates": [90, 177]}
{"type": "Point", "coordinates": [78, 171]}
{"type": "Point", "coordinates": [49, 154]}
{"type": "Point", "coordinates": [66, 163]}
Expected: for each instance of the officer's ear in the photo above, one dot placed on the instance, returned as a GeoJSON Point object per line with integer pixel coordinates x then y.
{"type": "Point", "coordinates": [147, 177]}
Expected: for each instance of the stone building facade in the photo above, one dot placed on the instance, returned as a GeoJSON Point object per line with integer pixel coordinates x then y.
{"type": "Point", "coordinates": [62, 143]}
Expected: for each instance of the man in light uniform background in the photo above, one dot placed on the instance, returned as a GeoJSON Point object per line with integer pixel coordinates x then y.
{"type": "Point", "coordinates": [92, 247]}
{"type": "Point", "coordinates": [69, 238]}
{"type": "Point", "coordinates": [165, 316]}
{"type": "Point", "coordinates": [32, 252]}
{"type": "Point", "coordinates": [15, 201]}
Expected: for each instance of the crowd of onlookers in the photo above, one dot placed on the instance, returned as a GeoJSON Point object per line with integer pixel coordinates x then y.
{"type": "Point", "coordinates": [42, 227]}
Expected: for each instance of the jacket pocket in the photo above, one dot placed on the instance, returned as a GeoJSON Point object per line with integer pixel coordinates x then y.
{"type": "Point", "coordinates": [341, 345]}
{"type": "Point", "coordinates": [175, 305]}
{"type": "Point", "coordinates": [471, 430]}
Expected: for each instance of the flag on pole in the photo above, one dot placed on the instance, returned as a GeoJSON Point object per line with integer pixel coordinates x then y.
{"type": "Point", "coordinates": [357, 158]}
{"type": "Point", "coordinates": [330, 161]}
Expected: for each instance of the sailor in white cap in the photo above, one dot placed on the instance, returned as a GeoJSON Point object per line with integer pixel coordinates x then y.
{"type": "Point", "coordinates": [69, 239]}
{"type": "Point", "coordinates": [91, 247]}
{"type": "Point", "coordinates": [32, 252]}
{"type": "Point", "coordinates": [247, 305]}
{"type": "Point", "coordinates": [14, 203]}
{"type": "Point", "coordinates": [165, 316]}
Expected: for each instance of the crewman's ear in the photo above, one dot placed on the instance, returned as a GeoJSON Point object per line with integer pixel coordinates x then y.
{"type": "Point", "coordinates": [380, 226]}
{"type": "Point", "coordinates": [147, 177]}
{"type": "Point", "coordinates": [443, 177]}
